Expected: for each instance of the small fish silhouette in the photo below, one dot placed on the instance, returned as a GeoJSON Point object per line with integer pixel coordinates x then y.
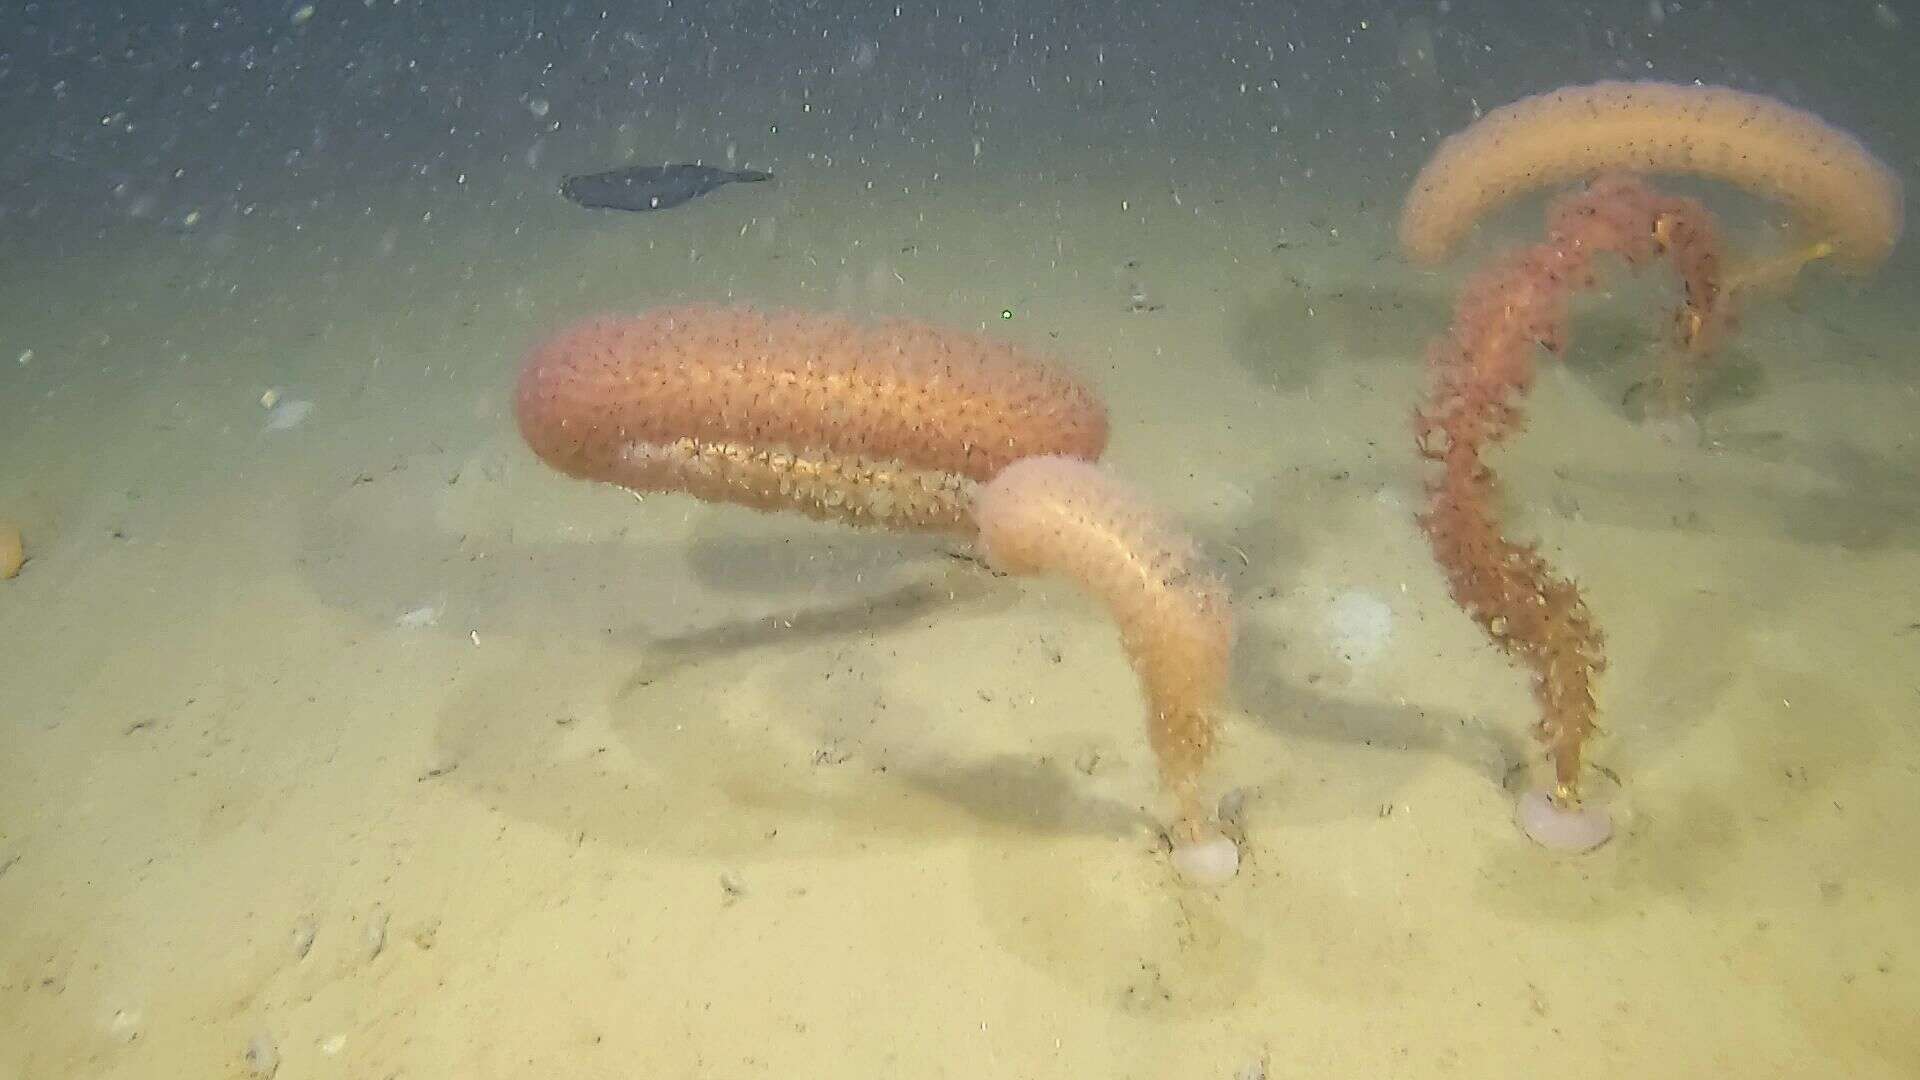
{"type": "Point", "coordinates": [652, 187]}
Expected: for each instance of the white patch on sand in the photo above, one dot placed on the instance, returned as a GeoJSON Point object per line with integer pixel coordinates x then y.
{"type": "Point", "coordinates": [289, 414]}
{"type": "Point", "coordinates": [419, 618]}
{"type": "Point", "coordinates": [1358, 626]}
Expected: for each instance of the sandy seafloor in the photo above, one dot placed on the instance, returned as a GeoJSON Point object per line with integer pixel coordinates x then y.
{"type": "Point", "coordinates": [558, 782]}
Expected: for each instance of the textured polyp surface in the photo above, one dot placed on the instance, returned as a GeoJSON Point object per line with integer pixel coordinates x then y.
{"type": "Point", "coordinates": [1068, 517]}
{"type": "Point", "coordinates": [922, 397]}
{"type": "Point", "coordinates": [1825, 175]}
{"type": "Point", "coordinates": [820, 484]}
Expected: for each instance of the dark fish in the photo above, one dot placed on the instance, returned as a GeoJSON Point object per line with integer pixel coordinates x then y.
{"type": "Point", "coordinates": [652, 187]}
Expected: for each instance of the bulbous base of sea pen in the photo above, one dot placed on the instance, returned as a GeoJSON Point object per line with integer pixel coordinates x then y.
{"type": "Point", "coordinates": [1566, 827]}
{"type": "Point", "coordinates": [1208, 861]}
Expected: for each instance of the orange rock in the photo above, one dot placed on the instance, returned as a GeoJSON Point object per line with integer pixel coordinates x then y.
{"type": "Point", "coordinates": [13, 550]}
